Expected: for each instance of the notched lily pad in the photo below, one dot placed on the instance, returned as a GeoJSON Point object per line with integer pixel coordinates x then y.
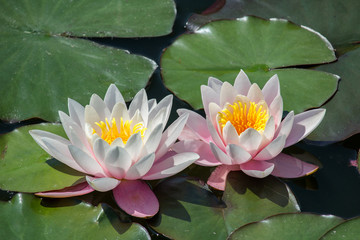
{"type": "Point", "coordinates": [26, 167]}
{"type": "Point", "coordinates": [261, 48]}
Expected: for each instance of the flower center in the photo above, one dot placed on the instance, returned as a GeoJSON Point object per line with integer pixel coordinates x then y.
{"type": "Point", "coordinates": [110, 132]}
{"type": "Point", "coordinates": [243, 116]}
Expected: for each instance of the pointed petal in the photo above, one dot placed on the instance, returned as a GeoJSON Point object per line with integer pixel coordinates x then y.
{"type": "Point", "coordinates": [154, 122]}
{"type": "Point", "coordinates": [250, 140]}
{"type": "Point", "coordinates": [290, 167]}
{"type": "Point", "coordinates": [201, 148]}
{"type": "Point", "coordinates": [169, 166]}
{"type": "Point", "coordinates": [77, 112]}
{"type": "Point", "coordinates": [134, 145]}
{"type": "Point", "coordinates": [258, 169]}
{"type": "Point", "coordinates": [208, 96]}
{"type": "Point", "coordinates": [152, 141]}
{"type": "Point", "coordinates": [140, 103]}
{"type": "Point", "coordinates": [89, 164]}
{"type": "Point", "coordinates": [72, 191]}
{"type": "Point", "coordinates": [98, 104]}
{"type": "Point", "coordinates": [136, 198]}
{"type": "Point", "coordinates": [165, 106]}
{"type": "Point", "coordinates": [119, 111]}
{"type": "Point", "coordinates": [215, 84]}
{"type": "Point", "coordinates": [242, 83]}
{"type": "Point", "coordinates": [188, 134]}
{"type": "Point", "coordinates": [220, 155]}
{"type": "Point", "coordinates": [113, 96]}
{"type": "Point", "coordinates": [100, 148]}
{"type": "Point", "coordinates": [304, 124]}
{"type": "Point", "coordinates": [91, 117]}
{"type": "Point", "coordinates": [141, 167]}
{"type": "Point", "coordinates": [214, 110]}
{"type": "Point", "coordinates": [276, 110]}
{"type": "Point", "coordinates": [269, 131]}
{"type": "Point", "coordinates": [215, 135]}
{"type": "Point", "coordinates": [255, 94]}
{"type": "Point", "coordinates": [271, 89]}
{"type": "Point", "coordinates": [230, 134]}
{"type": "Point", "coordinates": [238, 155]}
{"type": "Point", "coordinates": [197, 124]}
{"type": "Point", "coordinates": [170, 135]}
{"type": "Point", "coordinates": [272, 150]}
{"type": "Point", "coordinates": [218, 177]}
{"type": "Point", "coordinates": [286, 125]}
{"type": "Point", "coordinates": [39, 134]}
{"type": "Point", "coordinates": [151, 104]}
{"type": "Point", "coordinates": [102, 184]}
{"type": "Point", "coordinates": [227, 94]}
{"type": "Point", "coordinates": [117, 161]}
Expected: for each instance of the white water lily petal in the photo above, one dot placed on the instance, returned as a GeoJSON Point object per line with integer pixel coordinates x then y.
{"type": "Point", "coordinates": [118, 142]}
{"type": "Point", "coordinates": [272, 150]}
{"type": "Point", "coordinates": [208, 96]}
{"type": "Point", "coordinates": [220, 155]}
{"type": "Point", "coordinates": [154, 122]}
{"type": "Point", "coordinates": [250, 140]}
{"type": "Point", "coordinates": [139, 103]}
{"type": "Point", "coordinates": [38, 136]}
{"type": "Point", "coordinates": [112, 97]}
{"type": "Point", "coordinates": [276, 110]}
{"type": "Point", "coordinates": [170, 135]}
{"type": "Point", "coordinates": [255, 93]}
{"type": "Point", "coordinates": [141, 167]}
{"type": "Point", "coordinates": [152, 142]}
{"type": "Point", "coordinates": [119, 111]}
{"type": "Point", "coordinates": [165, 106]}
{"type": "Point", "coordinates": [230, 134]}
{"type": "Point", "coordinates": [242, 83]}
{"type": "Point", "coordinates": [286, 125]}
{"type": "Point", "coordinates": [215, 84]}
{"type": "Point", "coordinates": [100, 107]}
{"type": "Point", "coordinates": [102, 184]}
{"type": "Point", "coordinates": [134, 146]}
{"type": "Point", "coordinates": [151, 104]}
{"type": "Point", "coordinates": [117, 161]}
{"type": "Point", "coordinates": [77, 112]}
{"type": "Point", "coordinates": [238, 155]}
{"type": "Point", "coordinates": [227, 94]}
{"type": "Point", "coordinates": [86, 162]}
{"type": "Point", "coordinates": [271, 89]}
{"type": "Point", "coordinates": [100, 148]}
{"type": "Point", "coordinates": [171, 165]}
{"type": "Point", "coordinates": [304, 124]}
{"type": "Point", "coordinates": [91, 117]}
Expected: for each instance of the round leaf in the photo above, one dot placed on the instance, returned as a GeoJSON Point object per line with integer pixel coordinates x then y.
{"type": "Point", "coordinates": [26, 217]}
{"type": "Point", "coordinates": [26, 167]}
{"type": "Point", "coordinates": [342, 117]}
{"type": "Point", "coordinates": [347, 230]}
{"type": "Point", "coordinates": [337, 20]}
{"type": "Point", "coordinates": [261, 48]}
{"type": "Point", "coordinates": [287, 226]}
{"type": "Point", "coordinates": [192, 208]}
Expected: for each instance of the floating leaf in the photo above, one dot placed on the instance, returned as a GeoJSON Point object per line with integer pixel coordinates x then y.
{"type": "Point", "coordinates": [347, 230]}
{"type": "Point", "coordinates": [287, 226]}
{"type": "Point", "coordinates": [261, 48]}
{"type": "Point", "coordinates": [337, 20]}
{"type": "Point", "coordinates": [26, 167]}
{"type": "Point", "coordinates": [199, 214]}
{"type": "Point", "coordinates": [342, 118]}
{"type": "Point", "coordinates": [26, 217]}
{"type": "Point", "coordinates": [43, 63]}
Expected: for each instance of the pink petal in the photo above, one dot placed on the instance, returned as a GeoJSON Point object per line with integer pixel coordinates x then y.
{"type": "Point", "coordinates": [218, 177]}
{"type": "Point", "coordinates": [250, 140]}
{"type": "Point", "coordinates": [168, 166]}
{"type": "Point", "coordinates": [215, 135]}
{"type": "Point", "coordinates": [258, 169]}
{"type": "Point", "coordinates": [113, 96]}
{"type": "Point", "coordinates": [77, 112]}
{"type": "Point", "coordinates": [188, 134]}
{"type": "Point", "coordinates": [197, 124]}
{"type": "Point", "coordinates": [117, 161]}
{"type": "Point", "coordinates": [140, 103]}
{"type": "Point", "coordinates": [290, 167]}
{"type": "Point", "coordinates": [255, 94]}
{"type": "Point", "coordinates": [220, 155]}
{"type": "Point", "coordinates": [286, 125]}
{"type": "Point", "coordinates": [272, 150]}
{"type": "Point", "coordinates": [227, 94]}
{"type": "Point", "coordinates": [199, 147]}
{"type": "Point", "coordinates": [208, 96]}
{"type": "Point", "coordinates": [102, 184]}
{"type": "Point", "coordinates": [238, 155]}
{"type": "Point", "coordinates": [76, 190]}
{"type": "Point", "coordinates": [230, 134]}
{"type": "Point", "coordinates": [98, 104]}
{"type": "Point", "coordinates": [276, 110]}
{"type": "Point", "coordinates": [136, 199]}
{"type": "Point", "coordinates": [242, 83]}
{"type": "Point", "coordinates": [304, 124]}
{"type": "Point", "coordinates": [269, 132]}
{"type": "Point", "coordinates": [141, 167]}
{"type": "Point", "coordinates": [215, 84]}
{"type": "Point", "coordinates": [271, 89]}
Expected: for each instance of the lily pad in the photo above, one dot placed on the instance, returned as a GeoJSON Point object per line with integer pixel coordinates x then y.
{"type": "Point", "coordinates": [342, 118]}
{"type": "Point", "coordinates": [43, 62]}
{"type": "Point", "coordinates": [25, 217]}
{"type": "Point", "coordinates": [26, 167]}
{"type": "Point", "coordinates": [261, 48]}
{"type": "Point", "coordinates": [288, 226]}
{"type": "Point", "coordinates": [337, 20]}
{"type": "Point", "coordinates": [347, 230]}
{"type": "Point", "coordinates": [199, 214]}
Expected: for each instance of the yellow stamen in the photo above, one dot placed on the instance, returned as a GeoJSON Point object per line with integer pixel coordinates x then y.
{"type": "Point", "coordinates": [243, 116]}
{"type": "Point", "coordinates": [110, 132]}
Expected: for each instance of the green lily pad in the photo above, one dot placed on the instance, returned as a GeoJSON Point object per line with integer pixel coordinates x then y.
{"type": "Point", "coordinates": [26, 167]}
{"type": "Point", "coordinates": [25, 217]}
{"type": "Point", "coordinates": [347, 230]}
{"type": "Point", "coordinates": [288, 226]}
{"type": "Point", "coordinates": [261, 48]}
{"type": "Point", "coordinates": [199, 214]}
{"type": "Point", "coordinates": [342, 118]}
{"type": "Point", "coordinates": [43, 62]}
{"type": "Point", "coordinates": [337, 20]}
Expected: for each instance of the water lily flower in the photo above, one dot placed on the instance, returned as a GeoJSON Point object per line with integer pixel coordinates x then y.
{"type": "Point", "coordinates": [244, 131]}
{"type": "Point", "coordinates": [118, 148]}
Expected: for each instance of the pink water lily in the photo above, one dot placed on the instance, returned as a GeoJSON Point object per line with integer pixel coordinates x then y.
{"type": "Point", "coordinates": [244, 131]}
{"type": "Point", "coordinates": [118, 148]}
